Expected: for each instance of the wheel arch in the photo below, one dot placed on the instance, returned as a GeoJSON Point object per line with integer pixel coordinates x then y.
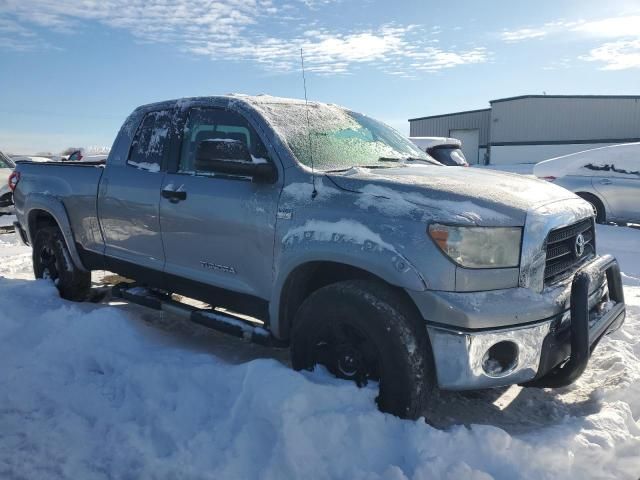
{"type": "Point", "coordinates": [306, 278]}
{"type": "Point", "coordinates": [594, 198]}
{"type": "Point", "coordinates": [45, 210]}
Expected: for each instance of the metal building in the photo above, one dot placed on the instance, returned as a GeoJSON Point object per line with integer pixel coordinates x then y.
{"type": "Point", "coordinates": [532, 128]}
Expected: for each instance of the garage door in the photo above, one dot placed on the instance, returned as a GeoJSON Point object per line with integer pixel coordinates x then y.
{"type": "Point", "coordinates": [470, 141]}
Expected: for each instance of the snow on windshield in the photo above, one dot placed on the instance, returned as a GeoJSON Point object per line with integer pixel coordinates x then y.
{"type": "Point", "coordinates": [337, 138]}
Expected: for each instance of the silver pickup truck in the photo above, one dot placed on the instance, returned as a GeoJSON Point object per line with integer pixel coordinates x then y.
{"type": "Point", "coordinates": [319, 228]}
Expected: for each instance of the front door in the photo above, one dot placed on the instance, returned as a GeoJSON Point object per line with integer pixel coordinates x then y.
{"type": "Point", "coordinates": [129, 197]}
{"type": "Point", "coordinates": [218, 230]}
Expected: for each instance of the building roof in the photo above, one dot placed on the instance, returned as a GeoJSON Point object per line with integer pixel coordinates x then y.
{"type": "Point", "coordinates": [507, 99]}
{"type": "Point", "coordinates": [449, 114]}
{"type": "Point", "coordinates": [520, 97]}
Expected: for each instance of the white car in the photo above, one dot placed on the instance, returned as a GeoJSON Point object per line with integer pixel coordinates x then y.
{"type": "Point", "coordinates": [82, 155]}
{"type": "Point", "coordinates": [6, 199]}
{"type": "Point", "coordinates": [445, 150]}
{"type": "Point", "coordinates": [607, 177]}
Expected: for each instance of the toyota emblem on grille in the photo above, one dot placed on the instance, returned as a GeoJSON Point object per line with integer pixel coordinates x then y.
{"type": "Point", "coordinates": [578, 248]}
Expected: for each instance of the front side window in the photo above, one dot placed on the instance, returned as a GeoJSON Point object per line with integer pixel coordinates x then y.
{"type": "Point", "coordinates": [335, 138]}
{"type": "Point", "coordinates": [151, 141]}
{"type": "Point", "coordinates": [205, 124]}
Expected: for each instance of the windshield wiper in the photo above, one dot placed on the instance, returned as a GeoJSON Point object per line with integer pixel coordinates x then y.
{"type": "Point", "coordinates": [407, 159]}
{"type": "Point", "coordinates": [338, 170]}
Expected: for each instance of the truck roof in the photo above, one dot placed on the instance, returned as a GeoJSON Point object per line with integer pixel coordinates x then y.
{"type": "Point", "coordinates": [250, 99]}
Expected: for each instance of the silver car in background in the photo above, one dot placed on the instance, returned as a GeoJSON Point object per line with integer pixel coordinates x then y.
{"type": "Point", "coordinates": [6, 199]}
{"type": "Point", "coordinates": [607, 177]}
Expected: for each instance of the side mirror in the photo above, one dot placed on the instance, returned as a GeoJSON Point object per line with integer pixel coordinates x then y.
{"type": "Point", "coordinates": [231, 157]}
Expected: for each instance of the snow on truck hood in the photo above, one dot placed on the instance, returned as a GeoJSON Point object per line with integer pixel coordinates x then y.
{"type": "Point", "coordinates": [469, 195]}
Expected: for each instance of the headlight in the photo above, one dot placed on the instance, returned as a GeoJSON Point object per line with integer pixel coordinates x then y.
{"type": "Point", "coordinates": [479, 247]}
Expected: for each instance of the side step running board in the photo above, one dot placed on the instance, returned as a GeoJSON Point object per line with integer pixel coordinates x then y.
{"type": "Point", "coordinates": [210, 318]}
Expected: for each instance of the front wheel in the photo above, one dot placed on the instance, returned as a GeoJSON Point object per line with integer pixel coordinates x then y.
{"type": "Point", "coordinates": [51, 260]}
{"type": "Point", "coordinates": [365, 331]}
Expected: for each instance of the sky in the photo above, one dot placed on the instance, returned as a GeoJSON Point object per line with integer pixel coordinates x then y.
{"type": "Point", "coordinates": [71, 71]}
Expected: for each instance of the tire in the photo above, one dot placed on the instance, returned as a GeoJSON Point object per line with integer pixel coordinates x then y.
{"type": "Point", "coordinates": [598, 206]}
{"type": "Point", "coordinates": [363, 330]}
{"type": "Point", "coordinates": [51, 259]}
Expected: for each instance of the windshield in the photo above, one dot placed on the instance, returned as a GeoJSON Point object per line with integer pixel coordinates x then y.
{"type": "Point", "coordinates": [338, 138]}
{"type": "Point", "coordinates": [6, 162]}
{"type": "Point", "coordinates": [448, 155]}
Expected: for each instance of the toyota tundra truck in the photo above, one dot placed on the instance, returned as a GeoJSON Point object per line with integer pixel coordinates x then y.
{"type": "Point", "coordinates": [313, 227]}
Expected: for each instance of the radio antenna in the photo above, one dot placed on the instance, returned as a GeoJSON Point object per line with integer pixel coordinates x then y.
{"type": "Point", "coordinates": [314, 193]}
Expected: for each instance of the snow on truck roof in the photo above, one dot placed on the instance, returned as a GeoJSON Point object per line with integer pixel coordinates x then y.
{"type": "Point", "coordinates": [429, 142]}
{"type": "Point", "coordinates": [254, 100]}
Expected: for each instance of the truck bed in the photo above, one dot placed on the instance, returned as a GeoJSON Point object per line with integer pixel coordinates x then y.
{"type": "Point", "coordinates": [74, 185]}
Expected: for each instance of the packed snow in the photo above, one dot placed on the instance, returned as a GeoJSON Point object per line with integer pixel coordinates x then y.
{"type": "Point", "coordinates": [113, 390]}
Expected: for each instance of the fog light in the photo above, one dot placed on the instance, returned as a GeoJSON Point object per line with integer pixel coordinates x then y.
{"type": "Point", "coordinates": [501, 359]}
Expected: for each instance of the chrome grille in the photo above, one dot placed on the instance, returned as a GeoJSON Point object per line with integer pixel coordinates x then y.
{"type": "Point", "coordinates": [562, 258]}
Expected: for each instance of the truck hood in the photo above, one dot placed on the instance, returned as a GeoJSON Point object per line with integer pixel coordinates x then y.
{"type": "Point", "coordinates": [469, 195]}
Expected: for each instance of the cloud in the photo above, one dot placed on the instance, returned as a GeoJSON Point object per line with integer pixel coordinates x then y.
{"type": "Point", "coordinates": [614, 27]}
{"type": "Point", "coordinates": [523, 34]}
{"type": "Point", "coordinates": [541, 31]}
{"type": "Point", "coordinates": [259, 31]}
{"type": "Point", "coordinates": [621, 54]}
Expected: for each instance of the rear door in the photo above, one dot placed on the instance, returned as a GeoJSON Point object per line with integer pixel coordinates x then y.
{"type": "Point", "coordinates": [128, 201]}
{"type": "Point", "coordinates": [618, 182]}
{"type": "Point", "coordinates": [218, 230]}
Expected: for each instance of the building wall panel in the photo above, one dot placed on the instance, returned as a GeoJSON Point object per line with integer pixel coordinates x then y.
{"type": "Point", "coordinates": [440, 126]}
{"type": "Point", "coordinates": [554, 119]}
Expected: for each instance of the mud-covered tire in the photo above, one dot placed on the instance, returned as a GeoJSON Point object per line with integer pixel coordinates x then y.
{"type": "Point", "coordinates": [393, 347]}
{"type": "Point", "coordinates": [51, 259]}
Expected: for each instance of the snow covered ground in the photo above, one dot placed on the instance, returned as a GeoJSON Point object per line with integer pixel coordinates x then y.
{"type": "Point", "coordinates": [113, 390]}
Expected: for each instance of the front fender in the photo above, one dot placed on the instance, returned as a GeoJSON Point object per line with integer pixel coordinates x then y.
{"type": "Point", "coordinates": [47, 203]}
{"type": "Point", "coordinates": [304, 245]}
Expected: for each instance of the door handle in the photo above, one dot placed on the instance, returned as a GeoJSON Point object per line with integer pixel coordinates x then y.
{"type": "Point", "coordinates": [174, 197]}
{"type": "Point", "coordinates": [605, 181]}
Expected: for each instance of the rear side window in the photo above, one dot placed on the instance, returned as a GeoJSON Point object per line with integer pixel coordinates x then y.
{"type": "Point", "coordinates": [151, 141]}
{"type": "Point", "coordinates": [210, 123]}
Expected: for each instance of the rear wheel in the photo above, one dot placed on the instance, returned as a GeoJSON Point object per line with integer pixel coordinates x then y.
{"type": "Point", "coordinates": [598, 206]}
{"type": "Point", "coordinates": [364, 331]}
{"type": "Point", "coordinates": [51, 260]}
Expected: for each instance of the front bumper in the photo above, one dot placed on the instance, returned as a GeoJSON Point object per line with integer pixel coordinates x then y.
{"type": "Point", "coordinates": [551, 352]}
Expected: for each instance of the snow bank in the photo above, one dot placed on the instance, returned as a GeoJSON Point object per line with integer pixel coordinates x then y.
{"type": "Point", "coordinates": [99, 391]}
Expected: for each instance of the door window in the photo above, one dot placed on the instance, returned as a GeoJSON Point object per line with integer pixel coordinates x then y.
{"type": "Point", "coordinates": [150, 142]}
{"type": "Point", "coordinates": [216, 124]}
